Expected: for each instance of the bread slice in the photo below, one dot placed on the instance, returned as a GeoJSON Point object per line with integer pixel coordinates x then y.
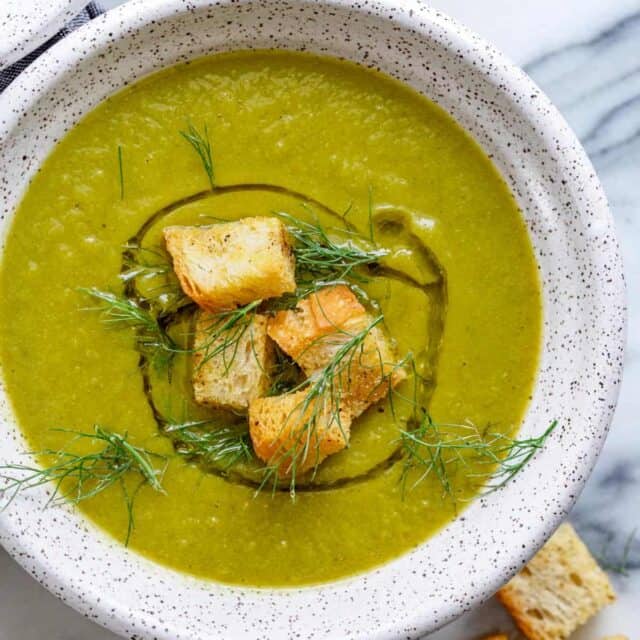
{"type": "Point", "coordinates": [320, 326]}
{"type": "Point", "coordinates": [230, 376]}
{"type": "Point", "coordinates": [296, 433]}
{"type": "Point", "coordinates": [231, 264]}
{"type": "Point", "coordinates": [559, 590]}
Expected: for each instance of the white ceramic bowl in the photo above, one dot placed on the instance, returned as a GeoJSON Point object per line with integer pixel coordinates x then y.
{"type": "Point", "coordinates": [584, 317]}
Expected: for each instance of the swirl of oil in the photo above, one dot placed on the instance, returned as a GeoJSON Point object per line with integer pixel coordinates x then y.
{"type": "Point", "coordinates": [391, 223]}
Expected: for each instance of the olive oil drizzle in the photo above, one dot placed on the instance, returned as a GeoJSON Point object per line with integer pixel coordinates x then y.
{"type": "Point", "coordinates": [435, 292]}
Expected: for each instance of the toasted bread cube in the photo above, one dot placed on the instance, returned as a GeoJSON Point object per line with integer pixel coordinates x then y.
{"type": "Point", "coordinates": [299, 331]}
{"type": "Point", "coordinates": [496, 636]}
{"type": "Point", "coordinates": [372, 373]}
{"type": "Point", "coordinates": [321, 325]}
{"type": "Point", "coordinates": [231, 264]}
{"type": "Point", "coordinates": [230, 376]}
{"type": "Point", "coordinates": [290, 429]}
{"type": "Point", "coordinates": [559, 590]}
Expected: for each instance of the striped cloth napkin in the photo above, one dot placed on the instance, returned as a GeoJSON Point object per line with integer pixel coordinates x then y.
{"type": "Point", "coordinates": [8, 75]}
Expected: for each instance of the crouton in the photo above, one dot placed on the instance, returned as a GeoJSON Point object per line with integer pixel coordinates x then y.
{"type": "Point", "coordinates": [321, 324]}
{"type": "Point", "coordinates": [559, 590]}
{"type": "Point", "coordinates": [230, 377]}
{"type": "Point", "coordinates": [299, 332]}
{"type": "Point", "coordinates": [288, 429]}
{"type": "Point", "coordinates": [496, 636]}
{"type": "Point", "coordinates": [231, 264]}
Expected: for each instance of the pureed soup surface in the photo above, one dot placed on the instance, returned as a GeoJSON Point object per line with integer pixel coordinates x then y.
{"type": "Point", "coordinates": [338, 134]}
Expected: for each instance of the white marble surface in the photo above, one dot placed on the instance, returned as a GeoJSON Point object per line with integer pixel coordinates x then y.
{"type": "Point", "coordinates": [585, 54]}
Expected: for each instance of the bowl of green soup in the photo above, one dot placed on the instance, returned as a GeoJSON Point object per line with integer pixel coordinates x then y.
{"type": "Point", "coordinates": [311, 325]}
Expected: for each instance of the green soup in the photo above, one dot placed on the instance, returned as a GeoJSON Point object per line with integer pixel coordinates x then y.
{"type": "Point", "coordinates": [306, 129]}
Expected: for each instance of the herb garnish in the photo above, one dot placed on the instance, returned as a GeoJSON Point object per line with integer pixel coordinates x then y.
{"type": "Point", "coordinates": [145, 263]}
{"type": "Point", "coordinates": [226, 445]}
{"type": "Point", "coordinates": [319, 257]}
{"type": "Point", "coordinates": [87, 474]}
{"type": "Point", "coordinates": [151, 267]}
{"type": "Point", "coordinates": [120, 172]}
{"type": "Point", "coordinates": [430, 450]}
{"type": "Point", "coordinates": [202, 146]}
{"type": "Point", "coordinates": [224, 330]}
{"type": "Point", "coordinates": [122, 312]}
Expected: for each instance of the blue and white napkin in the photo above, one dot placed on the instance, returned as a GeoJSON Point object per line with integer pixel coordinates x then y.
{"type": "Point", "coordinates": [8, 75]}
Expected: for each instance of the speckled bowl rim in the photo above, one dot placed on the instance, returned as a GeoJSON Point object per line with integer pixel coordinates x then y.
{"type": "Point", "coordinates": [580, 368]}
{"type": "Point", "coordinates": [21, 39]}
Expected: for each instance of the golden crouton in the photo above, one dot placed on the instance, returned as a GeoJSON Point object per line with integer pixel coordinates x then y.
{"type": "Point", "coordinates": [496, 636]}
{"type": "Point", "coordinates": [559, 590]}
{"type": "Point", "coordinates": [299, 332]}
{"type": "Point", "coordinates": [320, 326]}
{"type": "Point", "coordinates": [296, 433]}
{"type": "Point", "coordinates": [230, 375]}
{"type": "Point", "coordinates": [231, 264]}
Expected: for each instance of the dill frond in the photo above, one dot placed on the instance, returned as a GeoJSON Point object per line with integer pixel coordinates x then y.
{"type": "Point", "coordinates": [120, 172]}
{"type": "Point", "coordinates": [202, 146]}
{"type": "Point", "coordinates": [224, 332]}
{"type": "Point", "coordinates": [370, 214]}
{"type": "Point", "coordinates": [121, 312]}
{"type": "Point", "coordinates": [430, 450]}
{"type": "Point", "coordinates": [225, 445]}
{"type": "Point", "coordinates": [285, 374]}
{"type": "Point", "coordinates": [226, 329]}
{"type": "Point", "coordinates": [146, 265]}
{"type": "Point", "coordinates": [78, 477]}
{"type": "Point", "coordinates": [319, 257]}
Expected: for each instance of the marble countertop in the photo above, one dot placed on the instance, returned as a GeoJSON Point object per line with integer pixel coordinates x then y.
{"type": "Point", "coordinates": [585, 54]}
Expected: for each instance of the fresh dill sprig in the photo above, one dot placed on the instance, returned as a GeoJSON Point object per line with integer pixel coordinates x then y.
{"type": "Point", "coordinates": [122, 312]}
{"type": "Point", "coordinates": [79, 477]}
{"type": "Point", "coordinates": [202, 146]}
{"type": "Point", "coordinates": [285, 374]}
{"type": "Point", "coordinates": [224, 331]}
{"type": "Point", "coordinates": [225, 445]}
{"type": "Point", "coordinates": [621, 564]}
{"type": "Point", "coordinates": [322, 404]}
{"type": "Point", "coordinates": [120, 172]}
{"type": "Point", "coordinates": [146, 265]}
{"type": "Point", "coordinates": [431, 450]}
{"type": "Point", "coordinates": [370, 214]}
{"type": "Point", "coordinates": [319, 257]}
